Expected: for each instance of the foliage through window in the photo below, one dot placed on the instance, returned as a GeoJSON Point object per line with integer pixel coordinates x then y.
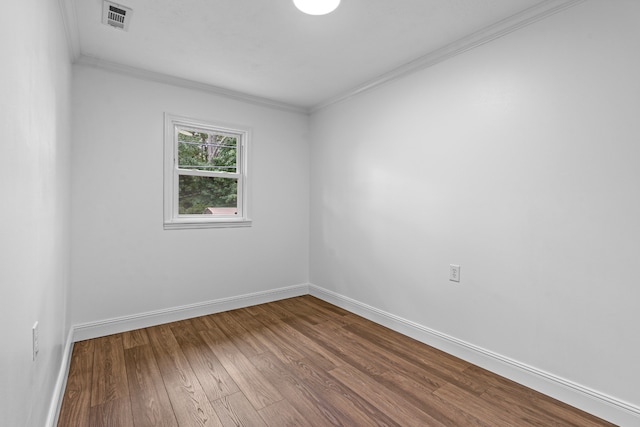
{"type": "Point", "coordinates": [205, 174]}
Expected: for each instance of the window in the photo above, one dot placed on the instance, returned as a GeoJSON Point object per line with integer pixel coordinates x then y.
{"type": "Point", "coordinates": [205, 183]}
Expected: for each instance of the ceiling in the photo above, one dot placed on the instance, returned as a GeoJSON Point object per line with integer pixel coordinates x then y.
{"type": "Point", "coordinates": [268, 50]}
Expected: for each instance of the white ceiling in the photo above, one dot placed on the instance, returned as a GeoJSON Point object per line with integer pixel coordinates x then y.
{"type": "Point", "coordinates": [269, 50]}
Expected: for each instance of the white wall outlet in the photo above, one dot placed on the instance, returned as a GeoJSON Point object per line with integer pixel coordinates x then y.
{"type": "Point", "coordinates": [454, 273]}
{"type": "Point", "coordinates": [35, 332]}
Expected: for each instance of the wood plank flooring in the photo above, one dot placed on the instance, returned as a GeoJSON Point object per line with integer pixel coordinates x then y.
{"type": "Point", "coordinates": [296, 362]}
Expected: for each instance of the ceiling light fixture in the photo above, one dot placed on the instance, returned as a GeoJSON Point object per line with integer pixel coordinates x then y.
{"type": "Point", "coordinates": [317, 7]}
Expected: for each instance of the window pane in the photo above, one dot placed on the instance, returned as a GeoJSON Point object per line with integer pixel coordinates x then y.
{"type": "Point", "coordinates": [200, 195]}
{"type": "Point", "coordinates": [207, 151]}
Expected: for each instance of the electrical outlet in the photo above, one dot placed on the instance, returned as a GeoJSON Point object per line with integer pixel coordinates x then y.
{"type": "Point", "coordinates": [35, 332]}
{"type": "Point", "coordinates": [454, 273]}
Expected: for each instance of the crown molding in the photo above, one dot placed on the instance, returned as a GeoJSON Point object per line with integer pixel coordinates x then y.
{"type": "Point", "coordinates": [70, 23]}
{"type": "Point", "coordinates": [93, 62]}
{"type": "Point", "coordinates": [479, 38]}
{"type": "Point", "coordinates": [506, 26]}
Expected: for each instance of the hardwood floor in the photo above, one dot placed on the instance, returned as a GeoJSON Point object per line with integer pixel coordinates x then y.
{"type": "Point", "coordinates": [296, 362]}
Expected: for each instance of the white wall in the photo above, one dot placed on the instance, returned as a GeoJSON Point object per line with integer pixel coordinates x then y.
{"type": "Point", "coordinates": [34, 214]}
{"type": "Point", "coordinates": [518, 160]}
{"type": "Point", "coordinates": [123, 262]}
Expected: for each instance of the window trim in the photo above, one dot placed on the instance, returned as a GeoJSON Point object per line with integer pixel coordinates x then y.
{"type": "Point", "coordinates": [172, 219]}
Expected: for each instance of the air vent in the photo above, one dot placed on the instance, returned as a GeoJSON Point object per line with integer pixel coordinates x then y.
{"type": "Point", "coordinates": [116, 15]}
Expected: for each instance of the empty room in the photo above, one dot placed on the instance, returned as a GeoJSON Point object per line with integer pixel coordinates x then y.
{"type": "Point", "coordinates": [322, 212]}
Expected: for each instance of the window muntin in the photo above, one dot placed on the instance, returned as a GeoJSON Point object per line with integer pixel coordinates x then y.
{"type": "Point", "coordinates": [205, 174]}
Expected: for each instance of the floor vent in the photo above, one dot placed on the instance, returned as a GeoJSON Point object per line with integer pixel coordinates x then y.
{"type": "Point", "coordinates": [116, 15]}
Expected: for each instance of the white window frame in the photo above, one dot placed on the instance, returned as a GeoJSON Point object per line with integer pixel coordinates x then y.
{"type": "Point", "coordinates": [172, 218]}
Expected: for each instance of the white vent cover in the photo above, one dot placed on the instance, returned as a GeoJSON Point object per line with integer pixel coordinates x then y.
{"type": "Point", "coordinates": [116, 15]}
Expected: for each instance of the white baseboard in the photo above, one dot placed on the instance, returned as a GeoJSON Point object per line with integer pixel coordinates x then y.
{"type": "Point", "coordinates": [61, 382]}
{"type": "Point", "coordinates": [152, 318]}
{"type": "Point", "coordinates": [128, 323]}
{"type": "Point", "coordinates": [599, 404]}
{"type": "Point", "coordinates": [589, 400]}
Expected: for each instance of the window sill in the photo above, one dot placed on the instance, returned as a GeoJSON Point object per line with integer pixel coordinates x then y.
{"type": "Point", "coordinates": [221, 223]}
